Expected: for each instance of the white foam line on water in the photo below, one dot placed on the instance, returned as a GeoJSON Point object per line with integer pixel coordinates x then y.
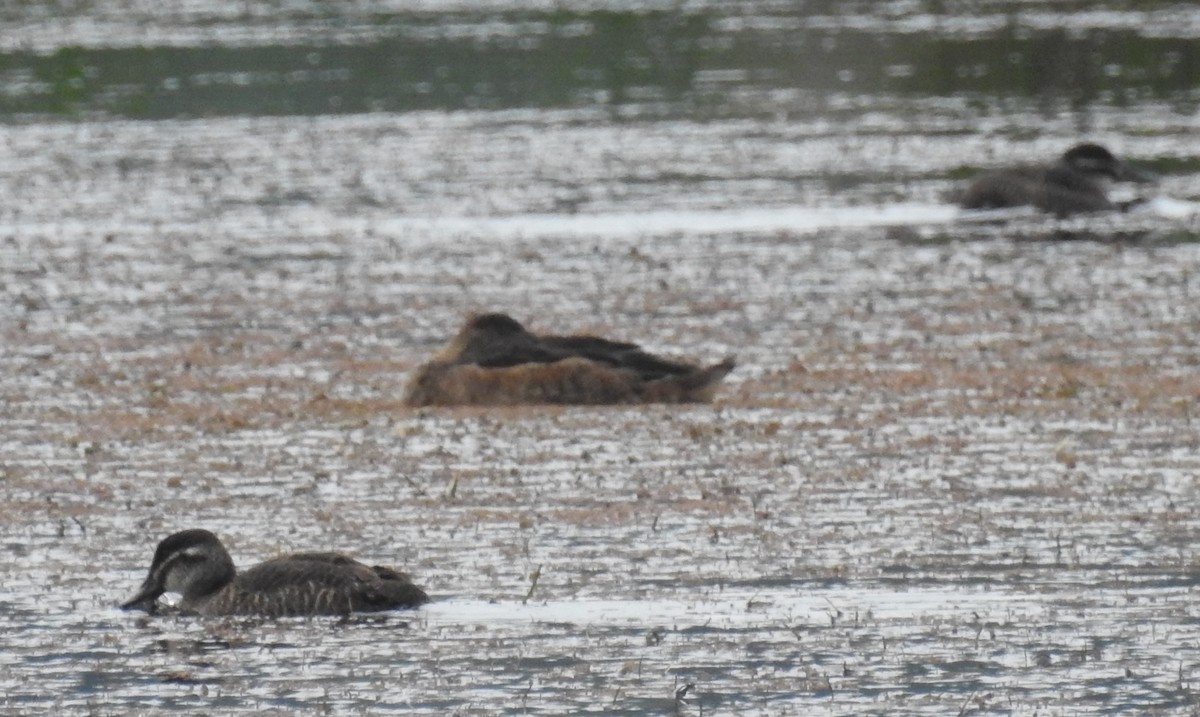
{"type": "Point", "coordinates": [613, 224]}
{"type": "Point", "coordinates": [1172, 208]}
{"type": "Point", "coordinates": [757, 219]}
{"type": "Point", "coordinates": [723, 221]}
{"type": "Point", "coordinates": [623, 224]}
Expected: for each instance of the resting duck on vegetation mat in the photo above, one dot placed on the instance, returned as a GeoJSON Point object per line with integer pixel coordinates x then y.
{"type": "Point", "coordinates": [494, 361]}
{"type": "Point", "coordinates": [196, 565]}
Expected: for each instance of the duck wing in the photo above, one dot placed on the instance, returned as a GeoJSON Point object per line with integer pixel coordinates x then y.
{"type": "Point", "coordinates": [618, 354]}
{"type": "Point", "coordinates": [491, 348]}
{"type": "Point", "coordinates": [316, 584]}
{"type": "Point", "coordinates": [516, 354]}
{"type": "Point", "coordinates": [1004, 188]}
{"type": "Point", "coordinates": [1053, 189]}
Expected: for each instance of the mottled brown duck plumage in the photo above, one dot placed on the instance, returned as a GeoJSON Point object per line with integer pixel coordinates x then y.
{"type": "Point", "coordinates": [494, 360]}
{"type": "Point", "coordinates": [196, 565]}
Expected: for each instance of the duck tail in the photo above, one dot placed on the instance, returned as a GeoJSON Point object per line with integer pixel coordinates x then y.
{"type": "Point", "coordinates": [701, 384]}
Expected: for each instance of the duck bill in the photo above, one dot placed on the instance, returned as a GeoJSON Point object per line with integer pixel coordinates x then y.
{"type": "Point", "coordinates": [146, 597]}
{"type": "Point", "coordinates": [1132, 173]}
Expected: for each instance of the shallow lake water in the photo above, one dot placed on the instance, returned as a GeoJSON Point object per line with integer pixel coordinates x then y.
{"type": "Point", "coordinates": [955, 470]}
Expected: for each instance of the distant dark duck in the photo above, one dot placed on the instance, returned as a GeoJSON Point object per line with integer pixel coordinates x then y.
{"type": "Point", "coordinates": [1076, 183]}
{"type": "Point", "coordinates": [494, 361]}
{"type": "Point", "coordinates": [194, 564]}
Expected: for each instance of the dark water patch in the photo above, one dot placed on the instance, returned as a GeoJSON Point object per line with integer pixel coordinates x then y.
{"type": "Point", "coordinates": [702, 63]}
{"type": "Point", "coordinates": [972, 667]}
{"type": "Point", "coordinates": [557, 60]}
{"type": "Point", "coordinates": [1058, 68]}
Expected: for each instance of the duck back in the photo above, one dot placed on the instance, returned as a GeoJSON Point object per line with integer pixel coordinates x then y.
{"type": "Point", "coordinates": [313, 584]}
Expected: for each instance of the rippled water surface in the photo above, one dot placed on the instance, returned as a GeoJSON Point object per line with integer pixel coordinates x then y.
{"type": "Point", "coordinates": [955, 471]}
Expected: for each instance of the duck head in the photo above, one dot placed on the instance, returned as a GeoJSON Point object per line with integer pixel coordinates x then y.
{"type": "Point", "coordinates": [1096, 161]}
{"type": "Point", "coordinates": [192, 563]}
